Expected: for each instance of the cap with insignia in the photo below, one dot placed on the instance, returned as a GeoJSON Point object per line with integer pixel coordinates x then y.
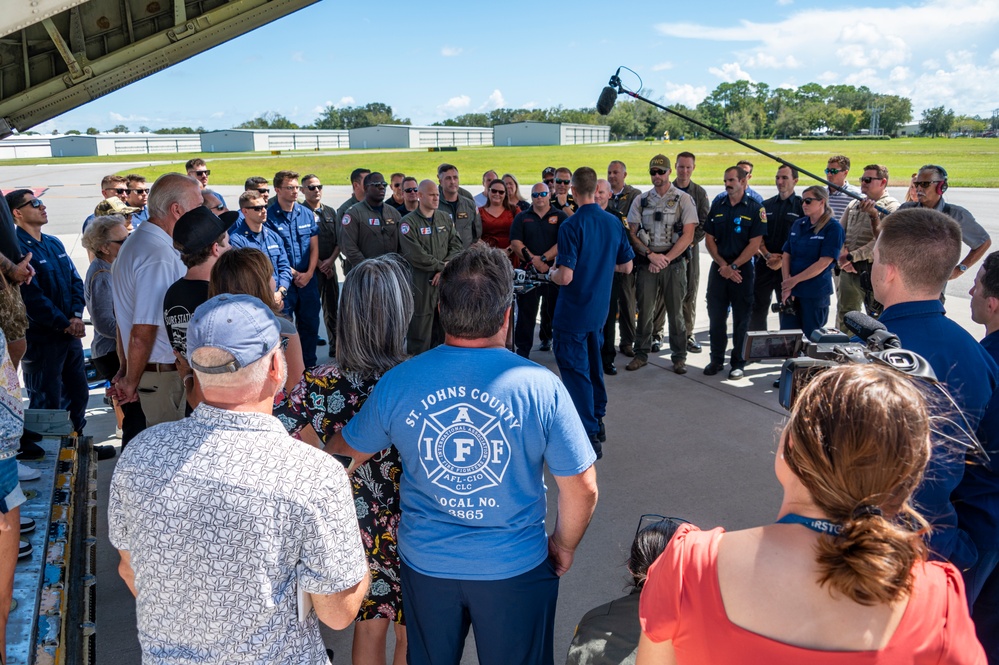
{"type": "Point", "coordinates": [660, 162]}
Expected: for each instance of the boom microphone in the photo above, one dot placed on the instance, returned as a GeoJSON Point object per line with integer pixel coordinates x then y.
{"type": "Point", "coordinates": [609, 94]}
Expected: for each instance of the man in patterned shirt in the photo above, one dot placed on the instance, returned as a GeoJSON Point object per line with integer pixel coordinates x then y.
{"type": "Point", "coordinates": [228, 528]}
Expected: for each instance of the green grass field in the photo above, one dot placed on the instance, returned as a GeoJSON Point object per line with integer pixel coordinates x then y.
{"type": "Point", "coordinates": [970, 162]}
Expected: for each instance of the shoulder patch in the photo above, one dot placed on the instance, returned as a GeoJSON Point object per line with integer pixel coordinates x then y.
{"type": "Point", "coordinates": [553, 219]}
{"type": "Point", "coordinates": [763, 214]}
{"type": "Point", "coordinates": [404, 228]}
{"type": "Point", "coordinates": [346, 219]}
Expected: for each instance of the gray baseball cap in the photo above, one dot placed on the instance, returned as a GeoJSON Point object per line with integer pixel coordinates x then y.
{"type": "Point", "coordinates": [240, 324]}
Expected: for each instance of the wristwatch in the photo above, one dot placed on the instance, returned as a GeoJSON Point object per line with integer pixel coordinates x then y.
{"type": "Point", "coordinates": [283, 291]}
{"type": "Point", "coordinates": [849, 257]}
{"type": "Point", "coordinates": [734, 266]}
{"type": "Point", "coordinates": [962, 267]}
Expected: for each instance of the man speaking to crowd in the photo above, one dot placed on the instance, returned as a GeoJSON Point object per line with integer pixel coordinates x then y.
{"type": "Point", "coordinates": [590, 248]}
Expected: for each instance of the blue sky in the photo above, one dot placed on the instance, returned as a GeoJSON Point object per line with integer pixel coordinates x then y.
{"type": "Point", "coordinates": [431, 62]}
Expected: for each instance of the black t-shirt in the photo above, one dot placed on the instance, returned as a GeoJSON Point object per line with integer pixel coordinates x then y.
{"type": "Point", "coordinates": [781, 215]}
{"type": "Point", "coordinates": [179, 303]}
{"type": "Point", "coordinates": [9, 246]}
{"type": "Point", "coordinates": [537, 233]}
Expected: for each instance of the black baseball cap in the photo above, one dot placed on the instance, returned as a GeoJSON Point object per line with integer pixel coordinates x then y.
{"type": "Point", "coordinates": [197, 229]}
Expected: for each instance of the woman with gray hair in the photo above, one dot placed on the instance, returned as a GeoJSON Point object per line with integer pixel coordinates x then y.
{"type": "Point", "coordinates": [103, 239]}
{"type": "Point", "coordinates": [376, 304]}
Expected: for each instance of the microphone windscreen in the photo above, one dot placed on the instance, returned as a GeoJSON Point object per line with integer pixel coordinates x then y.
{"type": "Point", "coordinates": [862, 325]}
{"type": "Point", "coordinates": [606, 102]}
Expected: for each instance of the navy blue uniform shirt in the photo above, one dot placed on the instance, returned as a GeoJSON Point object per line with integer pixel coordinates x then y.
{"type": "Point", "coordinates": [55, 294]}
{"type": "Point", "coordinates": [268, 242]}
{"type": "Point", "coordinates": [806, 247]}
{"type": "Point", "coordinates": [296, 229]}
{"type": "Point", "coordinates": [733, 227]}
{"type": "Point", "coordinates": [970, 375]}
{"type": "Point", "coordinates": [590, 243]}
{"type": "Point", "coordinates": [977, 497]}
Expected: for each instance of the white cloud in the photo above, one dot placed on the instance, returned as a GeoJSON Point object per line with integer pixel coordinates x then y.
{"type": "Point", "coordinates": [450, 51]}
{"type": "Point", "coordinates": [454, 105]}
{"type": "Point", "coordinates": [685, 94]}
{"type": "Point", "coordinates": [951, 41]}
{"type": "Point", "coordinates": [217, 114]}
{"type": "Point", "coordinates": [529, 105]}
{"type": "Point", "coordinates": [782, 3]}
{"type": "Point", "coordinates": [494, 101]}
{"type": "Point", "coordinates": [769, 61]}
{"type": "Point", "coordinates": [343, 103]}
{"type": "Point", "coordinates": [730, 72]}
{"type": "Point", "coordinates": [117, 117]}
{"type": "Point", "coordinates": [662, 66]}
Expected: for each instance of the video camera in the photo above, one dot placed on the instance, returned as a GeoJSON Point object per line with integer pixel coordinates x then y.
{"type": "Point", "coordinates": [829, 348]}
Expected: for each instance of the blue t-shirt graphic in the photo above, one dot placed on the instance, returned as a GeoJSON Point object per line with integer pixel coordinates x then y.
{"type": "Point", "coordinates": [474, 429]}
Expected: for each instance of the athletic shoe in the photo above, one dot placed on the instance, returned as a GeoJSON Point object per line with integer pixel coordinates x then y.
{"type": "Point", "coordinates": [27, 524]}
{"type": "Point", "coordinates": [27, 473]}
{"type": "Point", "coordinates": [24, 550]}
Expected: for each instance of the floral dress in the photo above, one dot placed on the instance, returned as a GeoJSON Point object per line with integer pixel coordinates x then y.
{"type": "Point", "coordinates": [327, 398]}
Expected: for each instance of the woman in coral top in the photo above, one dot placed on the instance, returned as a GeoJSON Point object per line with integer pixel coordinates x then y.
{"type": "Point", "coordinates": [842, 575]}
{"type": "Point", "coordinates": [497, 216]}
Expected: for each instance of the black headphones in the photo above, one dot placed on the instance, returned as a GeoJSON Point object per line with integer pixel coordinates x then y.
{"type": "Point", "coordinates": [941, 185]}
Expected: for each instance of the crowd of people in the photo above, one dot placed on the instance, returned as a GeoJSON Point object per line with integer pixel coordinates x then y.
{"type": "Point", "coordinates": [426, 512]}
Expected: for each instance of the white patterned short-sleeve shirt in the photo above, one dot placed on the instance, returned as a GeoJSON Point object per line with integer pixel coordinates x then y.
{"type": "Point", "coordinates": [217, 511]}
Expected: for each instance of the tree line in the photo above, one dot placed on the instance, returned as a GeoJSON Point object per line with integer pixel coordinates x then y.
{"type": "Point", "coordinates": [744, 109]}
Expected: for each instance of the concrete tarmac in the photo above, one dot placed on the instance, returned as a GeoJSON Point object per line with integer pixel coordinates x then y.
{"type": "Point", "coordinates": [690, 446]}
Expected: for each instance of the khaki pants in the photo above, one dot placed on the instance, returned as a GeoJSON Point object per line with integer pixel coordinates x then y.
{"type": "Point", "coordinates": [849, 296]}
{"type": "Point", "coordinates": [162, 397]}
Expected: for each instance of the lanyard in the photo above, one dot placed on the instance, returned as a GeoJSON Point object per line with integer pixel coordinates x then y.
{"type": "Point", "coordinates": [813, 523]}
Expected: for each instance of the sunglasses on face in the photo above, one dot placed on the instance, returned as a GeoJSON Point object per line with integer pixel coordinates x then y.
{"type": "Point", "coordinates": [657, 172]}
{"type": "Point", "coordinates": [925, 184]}
{"type": "Point", "coordinates": [139, 191]}
{"type": "Point", "coordinates": [411, 190]}
{"type": "Point", "coordinates": [396, 185]}
{"type": "Point", "coordinates": [498, 191]}
{"type": "Point", "coordinates": [377, 184]}
{"type": "Point", "coordinates": [219, 207]}
{"type": "Point", "coordinates": [255, 208]}
{"type": "Point", "coordinates": [121, 191]}
{"type": "Point", "coordinates": [539, 195]}
{"type": "Point", "coordinates": [868, 180]}
{"type": "Point", "coordinates": [34, 203]}
{"type": "Point", "coordinates": [834, 171]}
{"type": "Point", "coordinates": [264, 190]}
{"type": "Point", "coordinates": [560, 181]}
{"type": "Point", "coordinates": [201, 173]}
{"type": "Point", "coordinates": [314, 188]}
{"type": "Point", "coordinates": [809, 200]}
{"type": "Point", "coordinates": [549, 182]}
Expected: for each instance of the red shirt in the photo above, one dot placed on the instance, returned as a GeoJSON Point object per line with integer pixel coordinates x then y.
{"type": "Point", "coordinates": [682, 602]}
{"type": "Point", "coordinates": [496, 230]}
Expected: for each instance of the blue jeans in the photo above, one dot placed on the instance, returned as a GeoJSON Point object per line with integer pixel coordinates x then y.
{"type": "Point", "coordinates": [513, 619]}
{"type": "Point", "coordinates": [302, 305]}
{"type": "Point", "coordinates": [55, 378]}
{"type": "Point", "coordinates": [582, 370]}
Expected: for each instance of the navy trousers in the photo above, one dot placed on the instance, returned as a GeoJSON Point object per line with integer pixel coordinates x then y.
{"type": "Point", "coordinates": [580, 364]}
{"type": "Point", "coordinates": [302, 304]}
{"type": "Point", "coordinates": [513, 619]}
{"type": "Point", "coordinates": [722, 294]}
{"type": "Point", "coordinates": [55, 378]}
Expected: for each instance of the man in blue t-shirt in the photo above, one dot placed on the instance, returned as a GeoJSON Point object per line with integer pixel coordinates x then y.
{"type": "Point", "coordinates": [914, 256]}
{"type": "Point", "coordinates": [475, 425]}
{"type": "Point", "coordinates": [591, 248]}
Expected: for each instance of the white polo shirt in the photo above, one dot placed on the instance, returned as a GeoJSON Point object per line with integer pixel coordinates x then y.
{"type": "Point", "coordinates": [145, 268]}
